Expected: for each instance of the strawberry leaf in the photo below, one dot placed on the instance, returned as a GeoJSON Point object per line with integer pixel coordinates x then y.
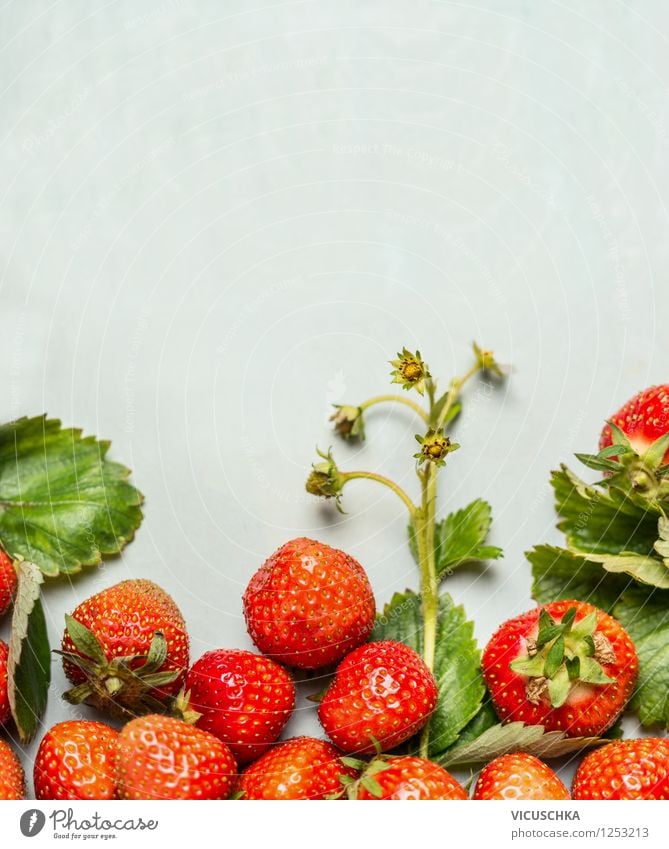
{"type": "Point", "coordinates": [29, 663]}
{"type": "Point", "coordinates": [63, 505]}
{"type": "Point", "coordinates": [457, 661]}
{"type": "Point", "coordinates": [515, 737]}
{"type": "Point", "coordinates": [461, 538]}
{"type": "Point", "coordinates": [645, 615]}
{"type": "Point", "coordinates": [602, 521]}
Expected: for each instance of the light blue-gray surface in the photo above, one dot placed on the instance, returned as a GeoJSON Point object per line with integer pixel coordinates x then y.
{"type": "Point", "coordinates": [216, 219]}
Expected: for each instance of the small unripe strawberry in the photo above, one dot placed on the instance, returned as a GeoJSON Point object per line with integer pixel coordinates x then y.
{"type": "Point", "coordinates": [76, 759]}
{"type": "Point", "coordinates": [243, 698]}
{"type": "Point", "coordinates": [519, 776]}
{"type": "Point", "coordinates": [160, 757]}
{"type": "Point", "coordinates": [383, 693]}
{"type": "Point", "coordinates": [309, 605]}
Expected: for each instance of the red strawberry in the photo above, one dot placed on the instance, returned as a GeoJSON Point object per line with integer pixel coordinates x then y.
{"type": "Point", "coordinates": [12, 781]}
{"type": "Point", "coordinates": [244, 699]}
{"type": "Point", "coordinates": [643, 419]}
{"type": "Point", "coordinates": [382, 692]}
{"type": "Point", "coordinates": [8, 582]}
{"type": "Point", "coordinates": [77, 760]}
{"type": "Point", "coordinates": [625, 769]}
{"type": "Point", "coordinates": [407, 778]}
{"type": "Point", "coordinates": [5, 709]}
{"type": "Point", "coordinates": [567, 666]}
{"type": "Point", "coordinates": [125, 649]}
{"type": "Point", "coordinates": [301, 768]}
{"type": "Point", "coordinates": [309, 605]}
{"type": "Point", "coordinates": [160, 757]}
{"type": "Point", "coordinates": [517, 777]}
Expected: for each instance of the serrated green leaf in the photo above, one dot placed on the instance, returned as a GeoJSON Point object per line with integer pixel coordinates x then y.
{"type": "Point", "coordinates": [460, 537]}
{"type": "Point", "coordinates": [63, 505]}
{"type": "Point", "coordinates": [29, 661]}
{"type": "Point", "coordinates": [515, 737]}
{"type": "Point", "coordinates": [645, 615]}
{"type": "Point", "coordinates": [457, 661]}
{"type": "Point", "coordinates": [560, 574]}
{"type": "Point", "coordinates": [647, 570]}
{"type": "Point", "coordinates": [601, 521]}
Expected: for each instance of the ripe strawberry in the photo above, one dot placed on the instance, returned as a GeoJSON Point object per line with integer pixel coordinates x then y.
{"type": "Point", "coordinates": [12, 782]}
{"type": "Point", "coordinates": [160, 757]}
{"type": "Point", "coordinates": [8, 582]}
{"type": "Point", "coordinates": [382, 692]}
{"type": "Point", "coordinates": [244, 699]}
{"type": "Point", "coordinates": [301, 768]}
{"type": "Point", "coordinates": [77, 760]}
{"type": "Point", "coordinates": [309, 605]}
{"type": "Point", "coordinates": [643, 419]}
{"type": "Point", "coordinates": [518, 777]}
{"type": "Point", "coordinates": [625, 769]}
{"type": "Point", "coordinates": [567, 666]}
{"type": "Point", "coordinates": [125, 649]}
{"type": "Point", "coordinates": [5, 709]}
{"type": "Point", "coordinates": [406, 779]}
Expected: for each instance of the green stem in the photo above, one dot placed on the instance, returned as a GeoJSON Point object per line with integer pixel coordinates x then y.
{"type": "Point", "coordinates": [425, 525]}
{"type": "Point", "coordinates": [398, 399]}
{"type": "Point", "coordinates": [371, 476]}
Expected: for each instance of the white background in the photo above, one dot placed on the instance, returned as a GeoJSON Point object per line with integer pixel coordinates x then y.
{"type": "Point", "coordinates": [217, 219]}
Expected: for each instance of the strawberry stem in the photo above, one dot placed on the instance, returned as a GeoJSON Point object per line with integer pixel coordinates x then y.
{"type": "Point", "coordinates": [397, 399]}
{"type": "Point", "coordinates": [372, 476]}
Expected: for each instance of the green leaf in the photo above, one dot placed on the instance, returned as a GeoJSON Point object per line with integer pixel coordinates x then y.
{"type": "Point", "coordinates": [461, 536]}
{"type": "Point", "coordinates": [647, 570]}
{"type": "Point", "coordinates": [601, 521]}
{"type": "Point", "coordinates": [457, 661]}
{"type": "Point", "coordinates": [554, 658]}
{"type": "Point", "coordinates": [85, 641]}
{"type": "Point", "coordinates": [560, 574]}
{"type": "Point", "coordinates": [558, 687]}
{"type": "Point", "coordinates": [29, 662]}
{"type": "Point", "coordinates": [654, 454]}
{"type": "Point", "coordinates": [645, 615]}
{"type": "Point", "coordinates": [515, 737]}
{"type": "Point", "coordinates": [63, 505]}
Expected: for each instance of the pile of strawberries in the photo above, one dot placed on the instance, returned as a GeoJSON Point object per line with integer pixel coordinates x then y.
{"type": "Point", "coordinates": [210, 730]}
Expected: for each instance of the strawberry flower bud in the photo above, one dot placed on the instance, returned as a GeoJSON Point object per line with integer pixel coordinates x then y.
{"type": "Point", "coordinates": [348, 421]}
{"type": "Point", "coordinates": [486, 361]}
{"type": "Point", "coordinates": [410, 371]}
{"type": "Point", "coordinates": [434, 447]}
{"type": "Point", "coordinates": [325, 479]}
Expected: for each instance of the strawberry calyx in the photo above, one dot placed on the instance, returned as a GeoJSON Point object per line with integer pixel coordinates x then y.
{"type": "Point", "coordinates": [122, 686]}
{"type": "Point", "coordinates": [639, 472]}
{"type": "Point", "coordinates": [562, 655]}
{"type": "Point", "coordinates": [181, 708]}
